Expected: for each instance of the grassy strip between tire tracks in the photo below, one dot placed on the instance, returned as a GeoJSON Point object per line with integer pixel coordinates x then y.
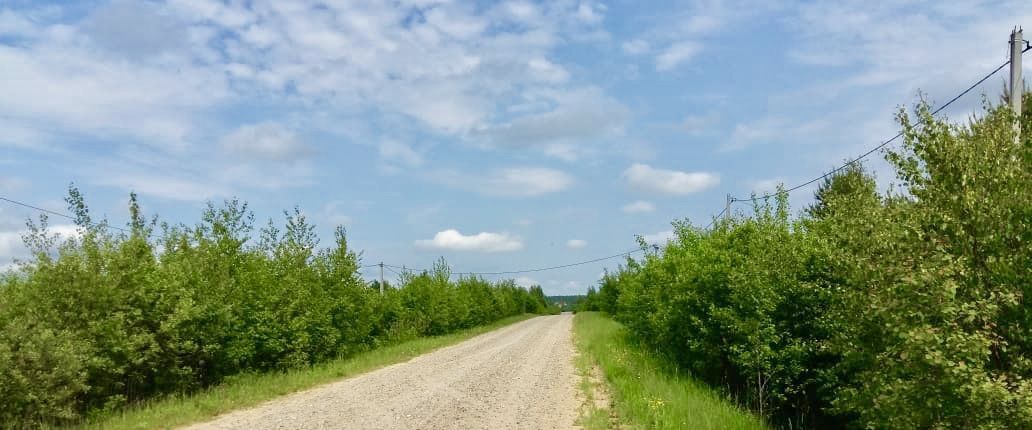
{"type": "Point", "coordinates": [643, 389]}
{"type": "Point", "coordinates": [252, 389]}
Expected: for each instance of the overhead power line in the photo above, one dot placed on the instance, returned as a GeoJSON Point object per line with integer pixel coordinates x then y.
{"type": "Point", "coordinates": [540, 269]}
{"type": "Point", "coordinates": [59, 214]}
{"type": "Point", "coordinates": [876, 148]}
{"type": "Point", "coordinates": [392, 270]}
{"type": "Point", "coordinates": [715, 218]}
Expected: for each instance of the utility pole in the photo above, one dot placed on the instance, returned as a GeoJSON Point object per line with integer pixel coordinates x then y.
{"type": "Point", "coordinates": [381, 278]}
{"type": "Point", "coordinates": [727, 208]}
{"type": "Point", "coordinates": [1017, 87]}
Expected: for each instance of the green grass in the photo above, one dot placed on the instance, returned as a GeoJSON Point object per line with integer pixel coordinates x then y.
{"type": "Point", "coordinates": [644, 392]}
{"type": "Point", "coordinates": [251, 389]}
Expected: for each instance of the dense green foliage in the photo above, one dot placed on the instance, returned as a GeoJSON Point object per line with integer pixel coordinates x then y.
{"type": "Point", "coordinates": [903, 310]}
{"type": "Point", "coordinates": [645, 389]}
{"type": "Point", "coordinates": [98, 321]}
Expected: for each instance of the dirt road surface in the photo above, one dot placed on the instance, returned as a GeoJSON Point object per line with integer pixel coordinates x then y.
{"type": "Point", "coordinates": [518, 377]}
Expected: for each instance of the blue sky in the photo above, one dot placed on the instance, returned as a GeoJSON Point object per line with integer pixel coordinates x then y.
{"type": "Point", "coordinates": [499, 135]}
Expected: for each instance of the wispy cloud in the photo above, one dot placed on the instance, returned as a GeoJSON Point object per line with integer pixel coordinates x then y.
{"type": "Point", "coordinates": [267, 140]}
{"type": "Point", "coordinates": [507, 182]}
{"type": "Point", "coordinates": [151, 70]}
{"type": "Point", "coordinates": [635, 47]}
{"type": "Point", "coordinates": [394, 151]}
{"type": "Point", "coordinates": [776, 129]}
{"type": "Point", "coordinates": [576, 243]}
{"type": "Point", "coordinates": [900, 45]}
{"type": "Point", "coordinates": [659, 238]}
{"type": "Point", "coordinates": [764, 186]}
{"type": "Point", "coordinates": [640, 206]}
{"type": "Point", "coordinates": [577, 115]}
{"type": "Point", "coordinates": [677, 54]}
{"type": "Point", "coordinates": [647, 178]}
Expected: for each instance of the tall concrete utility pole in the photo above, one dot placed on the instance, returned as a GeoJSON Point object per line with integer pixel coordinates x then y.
{"type": "Point", "coordinates": [1017, 87]}
{"type": "Point", "coordinates": [381, 278]}
{"type": "Point", "coordinates": [727, 207]}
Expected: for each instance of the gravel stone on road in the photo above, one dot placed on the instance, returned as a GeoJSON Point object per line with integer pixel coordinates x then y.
{"type": "Point", "coordinates": [520, 376]}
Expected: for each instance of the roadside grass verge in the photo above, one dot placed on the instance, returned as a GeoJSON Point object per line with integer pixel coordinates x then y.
{"type": "Point", "coordinates": [251, 389]}
{"type": "Point", "coordinates": [643, 389]}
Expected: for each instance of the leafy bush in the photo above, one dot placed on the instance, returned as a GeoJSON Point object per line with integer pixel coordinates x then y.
{"type": "Point", "coordinates": [896, 311]}
{"type": "Point", "coordinates": [100, 320]}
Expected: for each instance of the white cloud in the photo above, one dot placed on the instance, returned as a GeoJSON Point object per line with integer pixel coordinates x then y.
{"type": "Point", "coordinates": [576, 243]}
{"type": "Point", "coordinates": [12, 24]}
{"type": "Point", "coordinates": [577, 115]}
{"type": "Point", "coordinates": [162, 185]}
{"type": "Point", "coordinates": [882, 53]}
{"type": "Point", "coordinates": [529, 181]}
{"type": "Point", "coordinates": [895, 50]}
{"type": "Point", "coordinates": [548, 71]}
{"type": "Point", "coordinates": [764, 186]}
{"type": "Point", "coordinates": [138, 29]}
{"type": "Point", "coordinates": [206, 176]}
{"type": "Point", "coordinates": [509, 182]}
{"type": "Point", "coordinates": [772, 129]}
{"type": "Point", "coordinates": [672, 182]}
{"type": "Point", "coordinates": [19, 135]}
{"type": "Point", "coordinates": [56, 81]}
{"type": "Point", "coordinates": [12, 247]}
{"type": "Point", "coordinates": [591, 12]}
{"type": "Point", "coordinates": [423, 215]}
{"type": "Point", "coordinates": [703, 24]}
{"type": "Point", "coordinates": [9, 184]}
{"type": "Point", "coordinates": [334, 216]}
{"type": "Point", "coordinates": [564, 152]}
{"type": "Point", "coordinates": [453, 240]}
{"type": "Point", "coordinates": [395, 151]}
{"type": "Point", "coordinates": [696, 125]}
{"type": "Point", "coordinates": [447, 71]}
{"type": "Point", "coordinates": [526, 282]}
{"type": "Point", "coordinates": [267, 140]}
{"type": "Point", "coordinates": [635, 47]}
{"type": "Point", "coordinates": [106, 100]}
{"type": "Point", "coordinates": [458, 26]}
{"type": "Point", "coordinates": [640, 206]}
{"type": "Point", "coordinates": [155, 72]}
{"type": "Point", "coordinates": [523, 11]}
{"type": "Point", "coordinates": [659, 238]}
{"type": "Point", "coordinates": [637, 150]}
{"type": "Point", "coordinates": [676, 54]}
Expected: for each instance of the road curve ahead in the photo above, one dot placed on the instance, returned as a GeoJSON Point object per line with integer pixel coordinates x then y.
{"type": "Point", "coordinates": [518, 377]}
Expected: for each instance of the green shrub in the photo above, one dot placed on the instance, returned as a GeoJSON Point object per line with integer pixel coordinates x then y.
{"type": "Point", "coordinates": [101, 320]}
{"type": "Point", "coordinates": [42, 373]}
{"type": "Point", "coordinates": [896, 311]}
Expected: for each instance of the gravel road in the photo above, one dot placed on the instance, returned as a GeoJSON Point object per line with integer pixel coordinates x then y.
{"type": "Point", "coordinates": [518, 377]}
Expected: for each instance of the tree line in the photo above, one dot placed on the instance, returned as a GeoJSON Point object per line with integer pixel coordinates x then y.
{"type": "Point", "coordinates": [101, 320]}
{"type": "Point", "coordinates": [905, 309]}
